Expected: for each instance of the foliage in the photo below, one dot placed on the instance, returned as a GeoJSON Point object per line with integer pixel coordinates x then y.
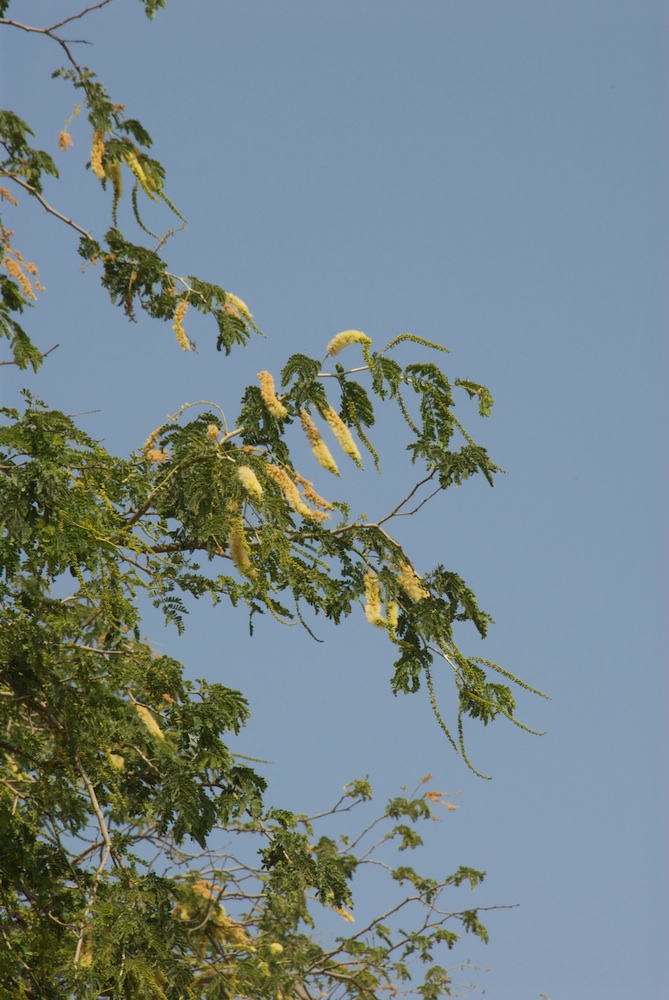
{"type": "Point", "coordinates": [117, 783]}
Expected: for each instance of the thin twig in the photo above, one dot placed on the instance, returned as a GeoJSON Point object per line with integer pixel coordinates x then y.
{"type": "Point", "coordinates": [75, 17]}
{"type": "Point", "coordinates": [49, 208]}
{"type": "Point", "coordinates": [40, 357]}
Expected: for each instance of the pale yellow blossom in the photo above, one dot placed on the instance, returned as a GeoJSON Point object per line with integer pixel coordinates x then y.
{"type": "Point", "coordinates": [249, 480]}
{"type": "Point", "coordinates": [342, 340]}
{"type": "Point", "coordinates": [147, 718]}
{"type": "Point", "coordinates": [373, 600]}
{"type": "Point", "coordinates": [290, 491]}
{"type": "Point", "coordinates": [239, 548]}
{"type": "Point", "coordinates": [410, 583]}
{"type": "Point", "coordinates": [237, 304]}
{"type": "Point", "coordinates": [318, 445]}
{"type": "Point", "coordinates": [343, 435]}
{"type": "Point", "coordinates": [97, 153]}
{"type": "Point", "coordinates": [177, 326]}
{"type": "Point", "coordinates": [270, 398]}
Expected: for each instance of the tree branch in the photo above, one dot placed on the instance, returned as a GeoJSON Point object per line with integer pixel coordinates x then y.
{"type": "Point", "coordinates": [49, 208]}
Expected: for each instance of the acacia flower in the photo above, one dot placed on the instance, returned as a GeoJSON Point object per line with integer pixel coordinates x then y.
{"type": "Point", "coordinates": [310, 493]}
{"type": "Point", "coordinates": [14, 270]}
{"type": "Point", "coordinates": [177, 326]}
{"type": "Point", "coordinates": [410, 583]}
{"type": "Point", "coordinates": [342, 340]}
{"type": "Point", "coordinates": [239, 549]}
{"type": "Point", "coordinates": [318, 445]}
{"type": "Point", "coordinates": [270, 398]}
{"type": "Point", "coordinates": [157, 455]}
{"type": "Point", "coordinates": [97, 153]}
{"type": "Point", "coordinates": [147, 718]}
{"type": "Point", "coordinates": [64, 141]}
{"type": "Point", "coordinates": [373, 600]}
{"type": "Point", "coordinates": [236, 306]}
{"type": "Point", "coordinates": [290, 491]}
{"type": "Point", "coordinates": [249, 480]}
{"type": "Point", "coordinates": [343, 435]}
{"type": "Point", "coordinates": [392, 615]}
{"type": "Point", "coordinates": [213, 432]}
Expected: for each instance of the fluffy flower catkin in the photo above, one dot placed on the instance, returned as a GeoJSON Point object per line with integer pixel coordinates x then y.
{"type": "Point", "coordinates": [290, 491]}
{"type": "Point", "coordinates": [342, 340]}
{"type": "Point", "coordinates": [147, 718]}
{"type": "Point", "coordinates": [177, 326]}
{"type": "Point", "coordinates": [249, 480]}
{"type": "Point", "coordinates": [237, 305]}
{"type": "Point", "coordinates": [239, 549]}
{"type": "Point", "coordinates": [373, 600]}
{"type": "Point", "coordinates": [343, 435]}
{"type": "Point", "coordinates": [318, 445]}
{"type": "Point", "coordinates": [97, 153]}
{"type": "Point", "coordinates": [270, 398]}
{"type": "Point", "coordinates": [410, 583]}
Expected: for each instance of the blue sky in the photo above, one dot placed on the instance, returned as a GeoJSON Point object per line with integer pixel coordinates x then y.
{"type": "Point", "coordinates": [492, 176]}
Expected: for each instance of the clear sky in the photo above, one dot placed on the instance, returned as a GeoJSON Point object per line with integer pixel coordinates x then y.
{"type": "Point", "coordinates": [490, 174]}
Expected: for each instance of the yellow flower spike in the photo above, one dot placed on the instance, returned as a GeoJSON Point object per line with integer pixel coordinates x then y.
{"type": "Point", "coordinates": [343, 435]}
{"type": "Point", "coordinates": [346, 914]}
{"type": "Point", "coordinates": [157, 456]}
{"type": "Point", "coordinates": [373, 600]}
{"type": "Point", "coordinates": [270, 398]}
{"type": "Point", "coordinates": [290, 491]}
{"type": "Point", "coordinates": [147, 718]}
{"type": "Point", "coordinates": [342, 340]}
{"type": "Point", "coordinates": [311, 494]}
{"type": "Point", "coordinates": [275, 948]}
{"type": "Point", "coordinates": [392, 615]}
{"type": "Point", "coordinates": [410, 583]}
{"type": "Point", "coordinates": [177, 325]}
{"type": "Point", "coordinates": [239, 549]}
{"type": "Point", "coordinates": [213, 432]}
{"type": "Point", "coordinates": [14, 270]}
{"type": "Point", "coordinates": [238, 304]}
{"type": "Point", "coordinates": [97, 153]}
{"type": "Point", "coordinates": [318, 445]}
{"type": "Point", "coordinates": [249, 480]}
{"type": "Point", "coordinates": [117, 761]}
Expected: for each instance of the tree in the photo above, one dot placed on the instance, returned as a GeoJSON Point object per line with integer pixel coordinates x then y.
{"type": "Point", "coordinates": [117, 781]}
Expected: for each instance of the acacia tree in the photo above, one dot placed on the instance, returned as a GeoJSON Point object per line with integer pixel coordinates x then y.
{"type": "Point", "coordinates": [117, 783]}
